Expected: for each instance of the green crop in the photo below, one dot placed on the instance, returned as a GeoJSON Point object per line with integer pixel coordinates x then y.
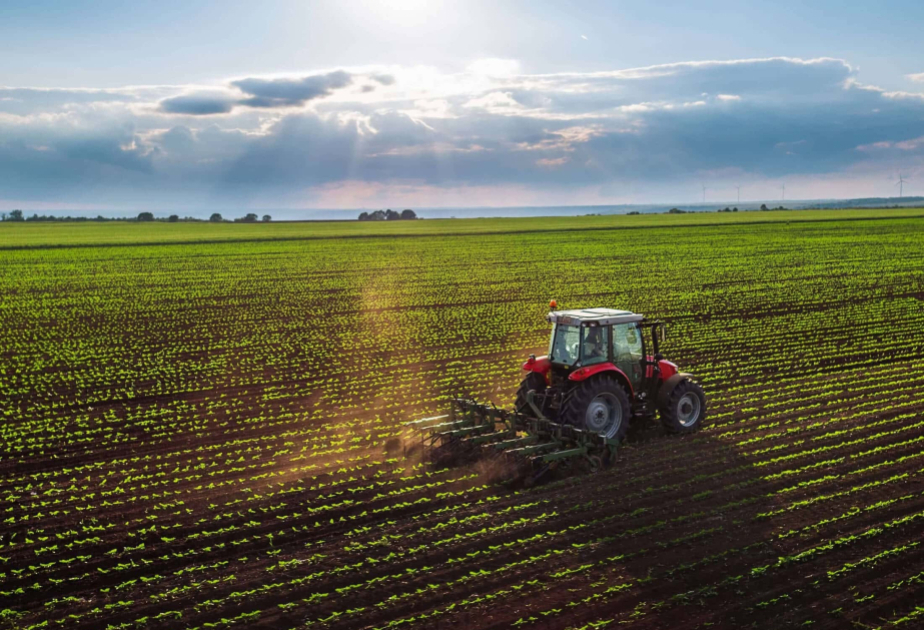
{"type": "Point", "coordinates": [203, 425]}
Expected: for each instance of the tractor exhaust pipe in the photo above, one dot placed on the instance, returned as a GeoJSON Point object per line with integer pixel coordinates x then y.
{"type": "Point", "coordinates": [656, 339]}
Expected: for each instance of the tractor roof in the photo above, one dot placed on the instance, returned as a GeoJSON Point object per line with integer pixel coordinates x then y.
{"type": "Point", "coordinates": [600, 316]}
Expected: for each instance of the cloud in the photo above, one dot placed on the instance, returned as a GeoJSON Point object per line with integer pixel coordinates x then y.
{"type": "Point", "coordinates": [198, 104]}
{"type": "Point", "coordinates": [552, 161]}
{"type": "Point", "coordinates": [666, 127]}
{"type": "Point", "coordinates": [179, 139]}
{"type": "Point", "coordinates": [263, 93]}
{"type": "Point", "coordinates": [904, 95]}
{"type": "Point", "coordinates": [291, 92]}
{"type": "Point", "coordinates": [912, 144]}
{"type": "Point", "coordinates": [384, 79]}
{"type": "Point", "coordinates": [500, 103]}
{"type": "Point", "coordinates": [917, 78]}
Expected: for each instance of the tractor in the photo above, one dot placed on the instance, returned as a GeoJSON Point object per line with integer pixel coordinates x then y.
{"type": "Point", "coordinates": [598, 375]}
{"type": "Point", "coordinates": [574, 405]}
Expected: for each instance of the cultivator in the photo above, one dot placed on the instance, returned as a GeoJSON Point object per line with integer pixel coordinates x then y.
{"type": "Point", "coordinates": [530, 447]}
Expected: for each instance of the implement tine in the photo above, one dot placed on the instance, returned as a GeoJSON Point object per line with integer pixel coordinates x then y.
{"type": "Point", "coordinates": [474, 429]}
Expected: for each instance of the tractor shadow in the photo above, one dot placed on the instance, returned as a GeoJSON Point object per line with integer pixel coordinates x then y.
{"type": "Point", "coordinates": [675, 514]}
{"type": "Point", "coordinates": [643, 430]}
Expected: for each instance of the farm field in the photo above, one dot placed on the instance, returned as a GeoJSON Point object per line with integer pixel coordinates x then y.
{"type": "Point", "coordinates": [38, 234]}
{"type": "Point", "coordinates": [210, 434]}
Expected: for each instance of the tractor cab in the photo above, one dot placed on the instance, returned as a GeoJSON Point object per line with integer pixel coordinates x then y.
{"type": "Point", "coordinates": [585, 338]}
{"type": "Point", "coordinates": [589, 341]}
{"type": "Point", "coordinates": [603, 367]}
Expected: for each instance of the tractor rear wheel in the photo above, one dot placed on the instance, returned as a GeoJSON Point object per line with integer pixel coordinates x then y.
{"type": "Point", "coordinates": [684, 408]}
{"type": "Point", "coordinates": [600, 405]}
{"type": "Point", "coordinates": [535, 382]}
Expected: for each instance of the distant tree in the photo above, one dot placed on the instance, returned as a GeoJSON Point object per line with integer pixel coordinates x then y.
{"type": "Point", "coordinates": [267, 218]}
{"type": "Point", "coordinates": [15, 215]}
{"type": "Point", "coordinates": [145, 216]}
{"type": "Point", "coordinates": [392, 215]}
{"type": "Point", "coordinates": [676, 211]}
{"type": "Point", "coordinates": [408, 214]}
{"type": "Point", "coordinates": [173, 218]}
{"type": "Point", "coordinates": [735, 209]}
{"type": "Point", "coordinates": [249, 218]}
{"type": "Point", "coordinates": [363, 216]}
{"type": "Point", "coordinates": [764, 207]}
{"type": "Point", "coordinates": [634, 212]}
{"type": "Point", "coordinates": [378, 215]}
{"type": "Point", "coordinates": [215, 218]}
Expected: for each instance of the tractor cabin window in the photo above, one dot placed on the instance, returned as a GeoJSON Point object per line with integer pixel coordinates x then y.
{"type": "Point", "coordinates": [594, 344]}
{"type": "Point", "coordinates": [566, 344]}
{"type": "Point", "coordinates": [627, 346]}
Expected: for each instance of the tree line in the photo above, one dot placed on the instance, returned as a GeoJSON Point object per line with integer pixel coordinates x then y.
{"type": "Point", "coordinates": [388, 215]}
{"type": "Point", "coordinates": [18, 215]}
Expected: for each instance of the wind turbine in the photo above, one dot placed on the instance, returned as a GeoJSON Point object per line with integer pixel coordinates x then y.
{"type": "Point", "coordinates": [783, 189]}
{"type": "Point", "coordinates": [739, 193]}
{"type": "Point", "coordinates": [704, 192]}
{"type": "Point", "coordinates": [901, 185]}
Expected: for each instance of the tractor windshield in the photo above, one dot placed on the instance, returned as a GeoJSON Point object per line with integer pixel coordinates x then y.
{"type": "Point", "coordinates": [565, 345]}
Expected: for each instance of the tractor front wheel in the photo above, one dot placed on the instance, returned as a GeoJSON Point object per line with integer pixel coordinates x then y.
{"type": "Point", "coordinates": [684, 408]}
{"type": "Point", "coordinates": [600, 405]}
{"type": "Point", "coordinates": [533, 382]}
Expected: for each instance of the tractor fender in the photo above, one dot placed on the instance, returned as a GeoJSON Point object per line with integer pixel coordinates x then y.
{"type": "Point", "coordinates": [667, 368]}
{"type": "Point", "coordinates": [668, 386]}
{"type": "Point", "coordinates": [584, 373]}
{"type": "Point", "coordinates": [539, 365]}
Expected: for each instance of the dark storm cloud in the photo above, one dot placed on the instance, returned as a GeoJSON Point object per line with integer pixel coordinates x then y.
{"type": "Point", "coordinates": [262, 93]}
{"type": "Point", "coordinates": [197, 104]}
{"type": "Point", "coordinates": [289, 92]}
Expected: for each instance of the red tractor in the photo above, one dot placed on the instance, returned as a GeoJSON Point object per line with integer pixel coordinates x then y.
{"type": "Point", "coordinates": [598, 375]}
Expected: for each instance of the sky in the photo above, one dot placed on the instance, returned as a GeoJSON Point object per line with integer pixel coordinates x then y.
{"type": "Point", "coordinates": [197, 106]}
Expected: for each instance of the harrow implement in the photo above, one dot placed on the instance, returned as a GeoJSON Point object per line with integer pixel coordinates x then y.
{"type": "Point", "coordinates": [532, 447]}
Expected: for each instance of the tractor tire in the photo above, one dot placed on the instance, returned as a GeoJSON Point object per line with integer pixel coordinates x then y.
{"type": "Point", "coordinates": [683, 409]}
{"type": "Point", "coordinates": [535, 382]}
{"type": "Point", "coordinates": [600, 405]}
